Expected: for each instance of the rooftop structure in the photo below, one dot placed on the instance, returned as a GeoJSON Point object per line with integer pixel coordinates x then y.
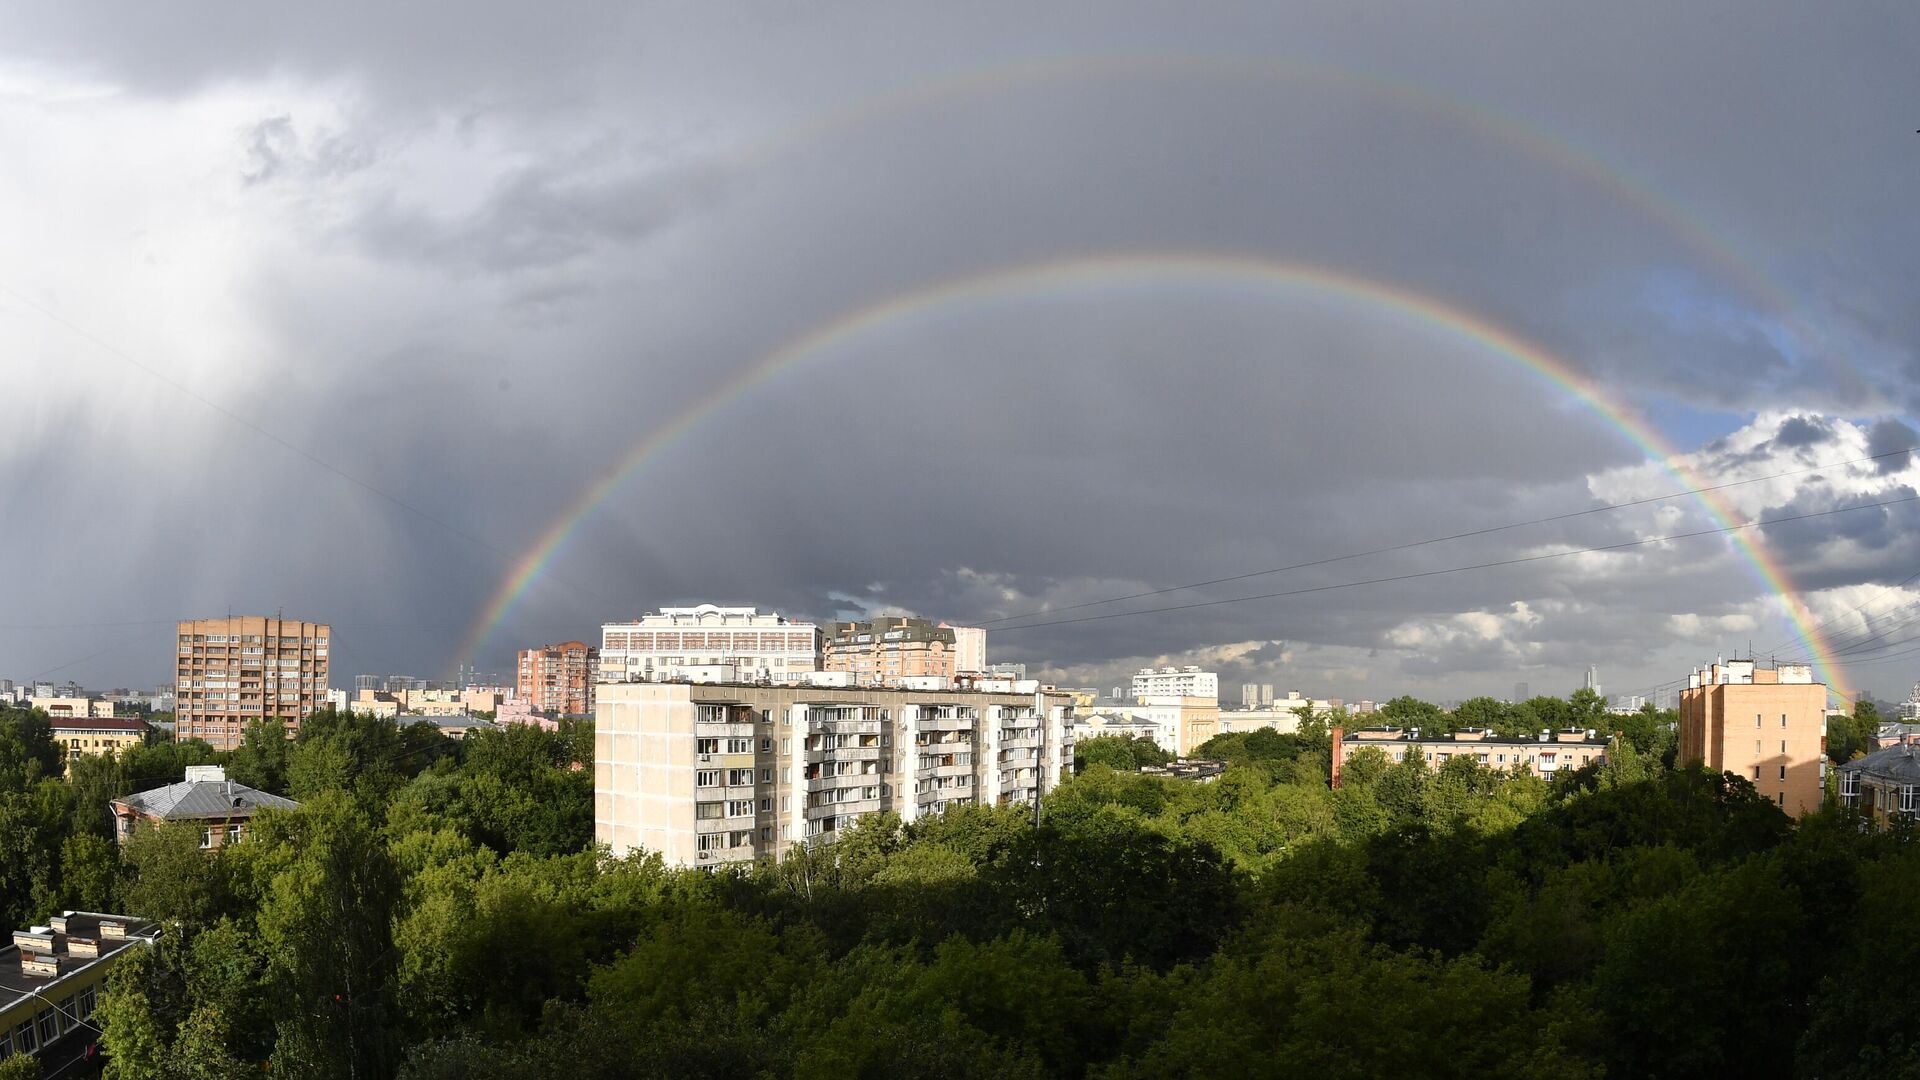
{"type": "Point", "coordinates": [50, 976]}
{"type": "Point", "coordinates": [221, 806]}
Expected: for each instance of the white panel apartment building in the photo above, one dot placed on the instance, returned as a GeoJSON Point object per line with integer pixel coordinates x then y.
{"type": "Point", "coordinates": [662, 645]}
{"type": "Point", "coordinates": [1175, 682]}
{"type": "Point", "coordinates": [708, 774]}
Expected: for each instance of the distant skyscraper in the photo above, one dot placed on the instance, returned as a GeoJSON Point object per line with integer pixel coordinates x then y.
{"type": "Point", "coordinates": [1519, 691]}
{"type": "Point", "coordinates": [1249, 695]}
{"type": "Point", "coordinates": [1593, 679]}
{"type": "Point", "coordinates": [1266, 694]}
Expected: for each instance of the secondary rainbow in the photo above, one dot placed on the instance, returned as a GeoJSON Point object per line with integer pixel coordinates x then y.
{"type": "Point", "coordinates": [1474, 118]}
{"type": "Point", "coordinates": [1147, 267]}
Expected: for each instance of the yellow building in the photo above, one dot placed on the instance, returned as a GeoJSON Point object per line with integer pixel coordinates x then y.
{"type": "Point", "coordinates": [50, 980]}
{"type": "Point", "coordinates": [84, 736]}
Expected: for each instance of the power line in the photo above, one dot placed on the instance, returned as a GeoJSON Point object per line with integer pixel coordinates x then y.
{"type": "Point", "coordinates": [1443, 539]}
{"type": "Point", "coordinates": [1461, 569]}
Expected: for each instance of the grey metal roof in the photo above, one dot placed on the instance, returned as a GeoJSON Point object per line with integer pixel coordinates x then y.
{"type": "Point", "coordinates": [1899, 763]}
{"type": "Point", "coordinates": [204, 799]}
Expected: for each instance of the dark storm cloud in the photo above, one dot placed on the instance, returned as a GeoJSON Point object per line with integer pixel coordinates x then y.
{"type": "Point", "coordinates": [480, 250]}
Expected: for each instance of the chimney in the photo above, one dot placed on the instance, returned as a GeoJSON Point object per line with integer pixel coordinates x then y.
{"type": "Point", "coordinates": [1338, 734]}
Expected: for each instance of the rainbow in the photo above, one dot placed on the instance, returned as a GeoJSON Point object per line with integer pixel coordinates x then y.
{"type": "Point", "coordinates": [1149, 267]}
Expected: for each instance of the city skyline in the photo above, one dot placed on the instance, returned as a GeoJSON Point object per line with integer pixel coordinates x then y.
{"type": "Point", "coordinates": [964, 317]}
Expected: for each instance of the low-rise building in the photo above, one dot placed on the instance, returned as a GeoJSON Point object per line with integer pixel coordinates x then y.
{"type": "Point", "coordinates": [1885, 784]}
{"type": "Point", "coordinates": [58, 708]}
{"type": "Point", "coordinates": [710, 773]}
{"type": "Point", "coordinates": [50, 980]}
{"type": "Point", "coordinates": [1543, 755]}
{"type": "Point", "coordinates": [206, 797]}
{"type": "Point", "coordinates": [84, 736]}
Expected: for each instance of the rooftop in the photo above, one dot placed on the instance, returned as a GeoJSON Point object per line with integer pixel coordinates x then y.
{"type": "Point", "coordinates": [1899, 763]}
{"type": "Point", "coordinates": [1575, 736]}
{"type": "Point", "coordinates": [205, 793]}
{"type": "Point", "coordinates": [96, 723]}
{"type": "Point", "coordinates": [39, 958]}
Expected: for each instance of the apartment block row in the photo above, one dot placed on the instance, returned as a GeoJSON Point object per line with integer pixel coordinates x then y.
{"type": "Point", "coordinates": [715, 773]}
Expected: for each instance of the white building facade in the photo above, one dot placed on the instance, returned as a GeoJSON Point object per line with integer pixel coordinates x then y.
{"type": "Point", "coordinates": [756, 645]}
{"type": "Point", "coordinates": [708, 774]}
{"type": "Point", "coordinates": [1175, 682]}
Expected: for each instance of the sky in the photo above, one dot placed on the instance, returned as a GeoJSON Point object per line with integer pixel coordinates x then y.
{"type": "Point", "coordinates": [970, 312]}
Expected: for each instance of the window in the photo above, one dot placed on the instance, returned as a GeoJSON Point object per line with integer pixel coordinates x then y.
{"type": "Point", "coordinates": [1909, 799]}
{"type": "Point", "coordinates": [739, 746]}
{"type": "Point", "coordinates": [1781, 798]}
{"type": "Point", "coordinates": [206, 836]}
{"type": "Point", "coordinates": [766, 776]}
{"type": "Point", "coordinates": [1756, 772]}
{"type": "Point", "coordinates": [23, 1040]}
{"type": "Point", "coordinates": [738, 777]}
{"type": "Point", "coordinates": [49, 1027]}
{"type": "Point", "coordinates": [706, 746]}
{"type": "Point", "coordinates": [6, 1045]}
{"type": "Point", "coordinates": [1756, 719]}
{"type": "Point", "coordinates": [706, 778]}
{"type": "Point", "coordinates": [766, 746]}
{"type": "Point", "coordinates": [1783, 772]}
{"type": "Point", "coordinates": [766, 806]}
{"type": "Point", "coordinates": [64, 1011]}
{"type": "Point", "coordinates": [88, 1000]}
{"type": "Point", "coordinates": [1783, 719]}
{"type": "Point", "coordinates": [740, 808]}
{"type": "Point", "coordinates": [1783, 746]}
{"type": "Point", "coordinates": [1849, 786]}
{"type": "Point", "coordinates": [786, 746]}
{"type": "Point", "coordinates": [706, 811]}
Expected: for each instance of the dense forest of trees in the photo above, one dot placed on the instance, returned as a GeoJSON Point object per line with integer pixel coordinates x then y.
{"type": "Point", "coordinates": [435, 909]}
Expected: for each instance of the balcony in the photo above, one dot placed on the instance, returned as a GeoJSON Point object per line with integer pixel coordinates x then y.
{"type": "Point", "coordinates": [847, 809]}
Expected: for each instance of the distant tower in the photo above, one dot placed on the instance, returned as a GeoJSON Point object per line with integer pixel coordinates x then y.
{"type": "Point", "coordinates": [1593, 678]}
{"type": "Point", "coordinates": [1519, 692]}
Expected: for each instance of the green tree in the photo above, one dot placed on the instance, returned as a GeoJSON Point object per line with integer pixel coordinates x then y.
{"type": "Point", "coordinates": [325, 919]}
{"type": "Point", "coordinates": [1410, 712]}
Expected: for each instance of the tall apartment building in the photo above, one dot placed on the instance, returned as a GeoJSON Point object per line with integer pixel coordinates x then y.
{"type": "Point", "coordinates": [969, 649]}
{"type": "Point", "coordinates": [230, 672]}
{"type": "Point", "coordinates": [1767, 723]}
{"type": "Point", "coordinates": [558, 679]}
{"type": "Point", "coordinates": [888, 649]}
{"type": "Point", "coordinates": [664, 644]}
{"type": "Point", "coordinates": [714, 773]}
{"type": "Point", "coordinates": [1175, 682]}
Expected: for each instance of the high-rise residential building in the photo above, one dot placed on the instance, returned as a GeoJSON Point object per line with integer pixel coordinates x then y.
{"type": "Point", "coordinates": [1266, 694]}
{"type": "Point", "coordinates": [230, 672]}
{"type": "Point", "coordinates": [558, 679]}
{"type": "Point", "coordinates": [1249, 695]}
{"type": "Point", "coordinates": [666, 643]}
{"type": "Point", "coordinates": [1519, 692]}
{"type": "Point", "coordinates": [713, 773]}
{"type": "Point", "coordinates": [1764, 722]}
{"type": "Point", "coordinates": [1175, 682]}
{"type": "Point", "coordinates": [888, 649]}
{"type": "Point", "coordinates": [969, 649]}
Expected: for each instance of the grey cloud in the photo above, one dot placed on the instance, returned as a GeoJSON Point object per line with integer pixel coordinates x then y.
{"type": "Point", "coordinates": [532, 238]}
